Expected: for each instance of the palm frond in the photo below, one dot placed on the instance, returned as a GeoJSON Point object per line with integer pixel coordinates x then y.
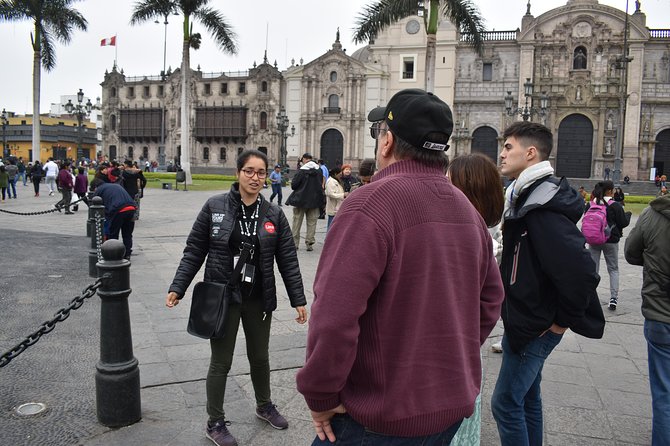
{"type": "Point", "coordinates": [377, 16]}
{"type": "Point", "coordinates": [12, 11]}
{"type": "Point", "coordinates": [466, 16]}
{"type": "Point", "coordinates": [152, 9]}
{"type": "Point", "coordinates": [215, 23]}
{"type": "Point", "coordinates": [47, 50]}
{"type": "Point", "coordinates": [61, 20]}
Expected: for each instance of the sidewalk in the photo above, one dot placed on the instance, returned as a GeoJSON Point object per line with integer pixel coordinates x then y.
{"type": "Point", "coordinates": [595, 392]}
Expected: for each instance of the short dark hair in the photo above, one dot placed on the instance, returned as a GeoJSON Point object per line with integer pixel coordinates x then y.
{"type": "Point", "coordinates": [367, 167]}
{"type": "Point", "coordinates": [244, 157]}
{"type": "Point", "coordinates": [477, 176]}
{"type": "Point", "coordinates": [334, 171]}
{"type": "Point", "coordinates": [433, 158]}
{"type": "Point", "coordinates": [532, 134]}
{"type": "Point", "coordinates": [599, 190]}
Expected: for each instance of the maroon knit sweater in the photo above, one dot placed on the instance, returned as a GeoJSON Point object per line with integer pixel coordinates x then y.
{"type": "Point", "coordinates": [406, 291]}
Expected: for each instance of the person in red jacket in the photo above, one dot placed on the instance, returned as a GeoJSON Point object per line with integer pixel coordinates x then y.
{"type": "Point", "coordinates": [65, 185]}
{"type": "Point", "coordinates": [393, 344]}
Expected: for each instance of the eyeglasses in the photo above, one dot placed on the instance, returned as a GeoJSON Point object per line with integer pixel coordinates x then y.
{"type": "Point", "coordinates": [376, 129]}
{"type": "Point", "coordinates": [249, 173]}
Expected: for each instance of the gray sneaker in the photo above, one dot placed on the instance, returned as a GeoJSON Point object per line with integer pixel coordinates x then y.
{"type": "Point", "coordinates": [220, 435]}
{"type": "Point", "coordinates": [270, 414]}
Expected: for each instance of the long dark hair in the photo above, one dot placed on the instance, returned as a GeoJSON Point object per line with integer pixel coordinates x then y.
{"type": "Point", "coordinates": [244, 157]}
{"type": "Point", "coordinates": [599, 190]}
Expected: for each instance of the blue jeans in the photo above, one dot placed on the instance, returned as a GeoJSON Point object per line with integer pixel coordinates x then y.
{"type": "Point", "coordinates": [348, 432]}
{"type": "Point", "coordinates": [330, 222]}
{"type": "Point", "coordinates": [517, 401]}
{"type": "Point", "coordinates": [11, 189]}
{"type": "Point", "coordinates": [657, 335]}
{"type": "Point", "coordinates": [21, 175]}
{"type": "Point", "coordinates": [276, 192]}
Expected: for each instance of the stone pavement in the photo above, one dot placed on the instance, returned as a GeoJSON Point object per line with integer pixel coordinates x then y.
{"type": "Point", "coordinates": [595, 391]}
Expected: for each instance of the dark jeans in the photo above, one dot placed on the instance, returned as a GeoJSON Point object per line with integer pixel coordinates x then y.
{"type": "Point", "coordinates": [123, 222]}
{"type": "Point", "coordinates": [11, 189]}
{"type": "Point", "coordinates": [276, 191]}
{"type": "Point", "coordinates": [257, 333]}
{"type": "Point", "coordinates": [348, 432]}
{"type": "Point", "coordinates": [36, 184]}
{"type": "Point", "coordinates": [65, 201]}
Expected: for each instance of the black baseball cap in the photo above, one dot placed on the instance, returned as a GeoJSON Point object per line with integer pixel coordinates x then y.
{"type": "Point", "coordinates": [376, 114]}
{"type": "Point", "coordinates": [414, 114]}
{"type": "Point", "coordinates": [307, 155]}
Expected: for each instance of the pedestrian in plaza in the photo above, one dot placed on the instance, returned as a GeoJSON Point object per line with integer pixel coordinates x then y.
{"type": "Point", "coordinates": [119, 212]}
{"type": "Point", "coordinates": [648, 245]}
{"type": "Point", "coordinates": [619, 196]}
{"type": "Point", "coordinates": [276, 180]}
{"type": "Point", "coordinates": [478, 178]}
{"type": "Point", "coordinates": [550, 279]}
{"type": "Point", "coordinates": [51, 169]}
{"type": "Point", "coordinates": [134, 183]}
{"type": "Point", "coordinates": [365, 171]}
{"type": "Point", "coordinates": [335, 194]}
{"type": "Point", "coordinates": [606, 175]}
{"type": "Point", "coordinates": [662, 192]}
{"type": "Point", "coordinates": [81, 184]}
{"type": "Point", "coordinates": [36, 176]}
{"type": "Point", "coordinates": [306, 199]}
{"type": "Point", "coordinates": [324, 169]}
{"type": "Point", "coordinates": [393, 344]}
{"type": "Point", "coordinates": [22, 171]}
{"type": "Point", "coordinates": [65, 185]}
{"type": "Point", "coordinates": [226, 224]}
{"type": "Point", "coordinates": [583, 194]}
{"type": "Point", "coordinates": [4, 180]}
{"type": "Point", "coordinates": [617, 220]}
{"type": "Point", "coordinates": [12, 172]}
{"type": "Point", "coordinates": [348, 180]}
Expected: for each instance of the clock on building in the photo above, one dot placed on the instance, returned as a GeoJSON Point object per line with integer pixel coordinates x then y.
{"type": "Point", "coordinates": [413, 26]}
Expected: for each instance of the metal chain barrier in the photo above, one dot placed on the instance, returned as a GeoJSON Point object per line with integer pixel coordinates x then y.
{"type": "Point", "coordinates": [99, 222]}
{"type": "Point", "coordinates": [39, 212]}
{"type": "Point", "coordinates": [49, 325]}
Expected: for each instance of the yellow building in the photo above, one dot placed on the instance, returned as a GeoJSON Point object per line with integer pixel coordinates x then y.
{"type": "Point", "coordinates": [60, 138]}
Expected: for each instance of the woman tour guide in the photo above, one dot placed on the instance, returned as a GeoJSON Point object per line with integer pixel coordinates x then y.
{"type": "Point", "coordinates": [226, 223]}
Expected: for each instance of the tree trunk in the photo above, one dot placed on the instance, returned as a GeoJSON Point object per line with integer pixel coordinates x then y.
{"type": "Point", "coordinates": [37, 75]}
{"type": "Point", "coordinates": [185, 160]}
{"type": "Point", "coordinates": [430, 62]}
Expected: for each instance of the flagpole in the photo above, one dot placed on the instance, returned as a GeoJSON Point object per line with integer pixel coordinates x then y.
{"type": "Point", "coordinates": [116, 49]}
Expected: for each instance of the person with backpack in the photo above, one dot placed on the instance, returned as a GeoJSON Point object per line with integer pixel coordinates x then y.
{"type": "Point", "coordinates": [602, 226]}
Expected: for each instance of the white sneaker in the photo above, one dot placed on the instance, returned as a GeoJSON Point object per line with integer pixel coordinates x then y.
{"type": "Point", "coordinates": [496, 347]}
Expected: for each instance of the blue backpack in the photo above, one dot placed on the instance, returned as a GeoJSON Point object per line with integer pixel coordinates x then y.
{"type": "Point", "coordinates": [595, 229]}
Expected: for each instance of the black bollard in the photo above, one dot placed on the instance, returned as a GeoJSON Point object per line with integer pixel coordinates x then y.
{"type": "Point", "coordinates": [90, 222]}
{"type": "Point", "coordinates": [117, 377]}
{"type": "Point", "coordinates": [97, 235]}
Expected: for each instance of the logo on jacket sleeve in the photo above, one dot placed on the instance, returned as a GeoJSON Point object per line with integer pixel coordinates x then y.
{"type": "Point", "coordinates": [217, 218]}
{"type": "Point", "coordinates": [269, 227]}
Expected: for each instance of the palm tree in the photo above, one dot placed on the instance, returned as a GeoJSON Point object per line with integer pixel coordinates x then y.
{"type": "Point", "coordinates": [463, 14]}
{"type": "Point", "coordinates": [54, 19]}
{"type": "Point", "coordinates": [215, 23]}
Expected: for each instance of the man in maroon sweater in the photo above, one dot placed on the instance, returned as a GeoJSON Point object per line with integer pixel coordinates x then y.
{"type": "Point", "coordinates": [393, 344]}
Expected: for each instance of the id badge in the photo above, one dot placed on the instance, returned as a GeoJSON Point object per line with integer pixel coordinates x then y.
{"type": "Point", "coordinates": [248, 273]}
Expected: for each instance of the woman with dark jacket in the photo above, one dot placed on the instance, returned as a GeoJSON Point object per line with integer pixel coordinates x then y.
{"type": "Point", "coordinates": [617, 219]}
{"type": "Point", "coordinates": [36, 177]}
{"type": "Point", "coordinates": [226, 224]}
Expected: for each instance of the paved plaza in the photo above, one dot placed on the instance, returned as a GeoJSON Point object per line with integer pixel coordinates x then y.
{"type": "Point", "coordinates": [595, 391]}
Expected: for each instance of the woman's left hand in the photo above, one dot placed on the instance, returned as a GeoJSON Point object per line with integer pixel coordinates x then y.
{"type": "Point", "coordinates": [302, 315]}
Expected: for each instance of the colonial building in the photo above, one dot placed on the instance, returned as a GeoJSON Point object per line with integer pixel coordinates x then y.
{"type": "Point", "coordinates": [565, 68]}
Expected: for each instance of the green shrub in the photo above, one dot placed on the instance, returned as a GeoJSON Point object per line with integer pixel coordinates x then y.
{"type": "Point", "coordinates": [642, 199]}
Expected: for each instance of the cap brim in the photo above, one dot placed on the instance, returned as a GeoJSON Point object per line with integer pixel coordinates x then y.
{"type": "Point", "coordinates": [376, 114]}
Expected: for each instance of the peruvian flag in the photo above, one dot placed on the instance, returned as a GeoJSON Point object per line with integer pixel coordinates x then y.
{"type": "Point", "coordinates": [108, 41]}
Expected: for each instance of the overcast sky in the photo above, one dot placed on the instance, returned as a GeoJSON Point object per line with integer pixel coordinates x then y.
{"type": "Point", "coordinates": [295, 29]}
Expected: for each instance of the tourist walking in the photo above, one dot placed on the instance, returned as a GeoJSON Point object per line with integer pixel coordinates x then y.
{"type": "Point", "coordinates": [617, 219]}
{"type": "Point", "coordinates": [242, 219]}
{"type": "Point", "coordinates": [549, 277]}
{"type": "Point", "coordinates": [306, 199]}
{"type": "Point", "coordinates": [22, 171]}
{"type": "Point", "coordinates": [65, 185]}
{"type": "Point", "coordinates": [335, 194]}
{"type": "Point", "coordinates": [12, 173]}
{"type": "Point", "coordinates": [4, 180]}
{"type": "Point", "coordinates": [276, 180]}
{"type": "Point", "coordinates": [51, 170]}
{"type": "Point", "coordinates": [393, 343]}
{"type": "Point", "coordinates": [648, 245]}
{"type": "Point", "coordinates": [36, 177]}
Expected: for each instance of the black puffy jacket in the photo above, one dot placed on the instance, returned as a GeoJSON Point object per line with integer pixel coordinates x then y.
{"type": "Point", "coordinates": [209, 238]}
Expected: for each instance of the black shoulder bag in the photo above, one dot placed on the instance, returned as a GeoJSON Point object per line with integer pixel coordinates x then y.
{"type": "Point", "coordinates": [209, 308]}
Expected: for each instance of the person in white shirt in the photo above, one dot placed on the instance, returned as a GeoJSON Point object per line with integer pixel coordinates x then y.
{"type": "Point", "coordinates": [51, 169]}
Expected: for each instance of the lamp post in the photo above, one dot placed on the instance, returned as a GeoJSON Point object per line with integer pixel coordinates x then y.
{"type": "Point", "coordinates": [81, 111]}
{"type": "Point", "coordinates": [282, 126]}
{"type": "Point", "coordinates": [5, 121]}
{"type": "Point", "coordinates": [622, 62]}
{"type": "Point", "coordinates": [527, 111]}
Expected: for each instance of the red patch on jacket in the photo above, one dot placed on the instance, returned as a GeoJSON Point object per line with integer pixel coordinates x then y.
{"type": "Point", "coordinates": [269, 227]}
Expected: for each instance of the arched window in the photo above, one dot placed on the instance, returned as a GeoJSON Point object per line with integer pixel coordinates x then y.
{"type": "Point", "coordinates": [264, 121]}
{"type": "Point", "coordinates": [264, 87]}
{"type": "Point", "coordinates": [112, 122]}
{"type": "Point", "coordinates": [579, 58]}
{"type": "Point", "coordinates": [223, 154]}
{"type": "Point", "coordinates": [131, 153]}
{"type": "Point", "coordinates": [113, 92]}
{"type": "Point", "coordinates": [145, 152]}
{"type": "Point", "coordinates": [333, 101]}
{"type": "Point", "coordinates": [333, 76]}
{"type": "Point", "coordinates": [205, 153]}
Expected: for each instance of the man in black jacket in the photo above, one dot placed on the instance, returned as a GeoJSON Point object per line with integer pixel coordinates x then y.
{"type": "Point", "coordinates": [119, 212]}
{"type": "Point", "coordinates": [549, 277]}
{"type": "Point", "coordinates": [306, 199]}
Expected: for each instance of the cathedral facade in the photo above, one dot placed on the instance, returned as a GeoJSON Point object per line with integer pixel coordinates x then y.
{"type": "Point", "coordinates": [597, 77]}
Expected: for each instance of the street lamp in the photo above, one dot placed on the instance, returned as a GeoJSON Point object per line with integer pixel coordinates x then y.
{"type": "Point", "coordinates": [81, 111]}
{"type": "Point", "coordinates": [528, 110]}
{"type": "Point", "coordinates": [282, 126]}
{"type": "Point", "coordinates": [460, 134]}
{"type": "Point", "coordinates": [5, 121]}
